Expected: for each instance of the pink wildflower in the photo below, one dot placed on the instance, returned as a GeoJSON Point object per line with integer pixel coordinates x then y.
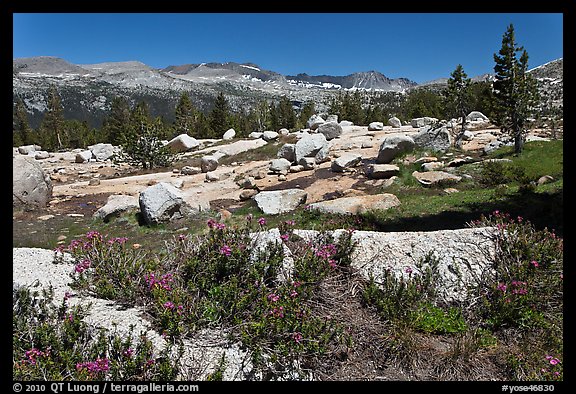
{"type": "Point", "coordinates": [226, 250]}
{"type": "Point", "coordinates": [297, 337]}
{"type": "Point", "coordinates": [273, 297]}
{"type": "Point", "coordinates": [128, 352]}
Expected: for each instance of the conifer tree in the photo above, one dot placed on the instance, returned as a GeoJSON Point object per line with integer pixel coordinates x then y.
{"type": "Point", "coordinates": [142, 141]}
{"type": "Point", "coordinates": [274, 117]}
{"type": "Point", "coordinates": [306, 112]}
{"type": "Point", "coordinates": [184, 117]}
{"type": "Point", "coordinates": [22, 133]}
{"type": "Point", "coordinates": [118, 121]}
{"type": "Point", "coordinates": [286, 114]}
{"type": "Point", "coordinates": [53, 123]}
{"type": "Point", "coordinates": [514, 89]}
{"type": "Point", "coordinates": [219, 115]}
{"type": "Point", "coordinates": [458, 97]}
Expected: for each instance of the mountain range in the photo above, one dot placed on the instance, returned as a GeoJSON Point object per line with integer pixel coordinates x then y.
{"type": "Point", "coordinates": [88, 89]}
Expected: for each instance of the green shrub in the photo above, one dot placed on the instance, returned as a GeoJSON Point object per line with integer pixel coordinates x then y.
{"type": "Point", "coordinates": [524, 292]}
{"type": "Point", "coordinates": [435, 320]}
{"type": "Point", "coordinates": [397, 297]}
{"type": "Point", "coordinates": [493, 173]}
{"type": "Point", "coordinates": [528, 274]}
{"type": "Point", "coordinates": [52, 342]}
{"type": "Point", "coordinates": [107, 268]}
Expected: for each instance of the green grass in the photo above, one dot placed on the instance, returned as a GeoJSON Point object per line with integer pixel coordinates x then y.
{"type": "Point", "coordinates": [538, 158]}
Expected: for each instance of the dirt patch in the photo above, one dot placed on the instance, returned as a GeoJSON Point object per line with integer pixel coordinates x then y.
{"type": "Point", "coordinates": [382, 351]}
{"type": "Point", "coordinates": [227, 204]}
{"type": "Point", "coordinates": [322, 184]}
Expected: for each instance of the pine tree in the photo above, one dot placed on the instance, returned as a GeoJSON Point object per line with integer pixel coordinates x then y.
{"type": "Point", "coordinates": [274, 116]}
{"type": "Point", "coordinates": [482, 98]}
{"type": "Point", "coordinates": [514, 89]}
{"type": "Point", "coordinates": [53, 123]}
{"type": "Point", "coordinates": [22, 133]}
{"type": "Point", "coordinates": [335, 107]}
{"type": "Point", "coordinates": [142, 141]}
{"type": "Point", "coordinates": [184, 117]}
{"type": "Point", "coordinates": [307, 111]}
{"type": "Point", "coordinates": [118, 121]}
{"type": "Point", "coordinates": [352, 108]}
{"type": "Point", "coordinates": [458, 97]}
{"type": "Point", "coordinates": [286, 114]}
{"type": "Point", "coordinates": [219, 115]}
{"type": "Point", "coordinates": [80, 135]}
{"type": "Point", "coordinates": [422, 102]}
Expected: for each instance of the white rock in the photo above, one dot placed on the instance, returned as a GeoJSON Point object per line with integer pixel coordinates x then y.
{"type": "Point", "coordinates": [332, 118]}
{"type": "Point", "coordinates": [30, 185]}
{"type": "Point", "coordinates": [287, 151]}
{"type": "Point", "coordinates": [280, 165]}
{"type": "Point", "coordinates": [208, 163]}
{"type": "Point", "coordinates": [189, 170]}
{"type": "Point", "coordinates": [345, 161]}
{"type": "Point", "coordinates": [212, 177]}
{"type": "Point", "coordinates": [161, 202]}
{"type": "Point", "coordinates": [41, 154]}
{"type": "Point", "coordinates": [392, 146]}
{"type": "Point", "coordinates": [280, 201]}
{"type": "Point", "coordinates": [436, 178]}
{"type": "Point", "coordinates": [307, 163]}
{"type": "Point", "coordinates": [421, 122]}
{"type": "Point", "coordinates": [435, 138]}
{"type": "Point", "coordinates": [357, 204]}
{"type": "Point", "coordinates": [183, 143]}
{"type": "Point", "coordinates": [229, 134]}
{"type": "Point", "coordinates": [314, 121]}
{"type": "Point", "coordinates": [116, 205]}
{"type": "Point", "coordinates": [375, 126]}
{"type": "Point", "coordinates": [313, 145]}
{"type": "Point", "coordinates": [84, 156]}
{"type": "Point", "coordinates": [382, 171]}
{"type": "Point", "coordinates": [432, 166]}
{"type": "Point", "coordinates": [269, 135]}
{"type": "Point", "coordinates": [475, 116]}
{"type": "Point", "coordinates": [102, 152]}
{"type": "Point", "coordinates": [26, 149]}
{"type": "Point", "coordinates": [330, 130]}
{"type": "Point", "coordinates": [394, 122]}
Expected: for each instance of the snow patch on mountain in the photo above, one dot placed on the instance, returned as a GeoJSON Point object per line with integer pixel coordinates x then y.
{"type": "Point", "coordinates": [250, 67]}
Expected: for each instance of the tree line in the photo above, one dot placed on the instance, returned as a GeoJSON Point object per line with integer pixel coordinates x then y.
{"type": "Point", "coordinates": [57, 133]}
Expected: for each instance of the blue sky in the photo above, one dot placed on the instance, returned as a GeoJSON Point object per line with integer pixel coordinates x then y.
{"type": "Point", "coordinates": [420, 47]}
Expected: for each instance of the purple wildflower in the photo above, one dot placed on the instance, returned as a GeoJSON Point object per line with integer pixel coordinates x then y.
{"type": "Point", "coordinates": [226, 250]}
{"type": "Point", "coordinates": [273, 297]}
{"type": "Point", "coordinates": [297, 337]}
